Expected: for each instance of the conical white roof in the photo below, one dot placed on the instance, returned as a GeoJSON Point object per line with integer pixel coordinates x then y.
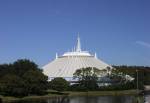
{"type": "Point", "coordinates": [69, 62]}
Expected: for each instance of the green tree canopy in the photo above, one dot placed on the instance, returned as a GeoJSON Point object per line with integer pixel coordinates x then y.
{"type": "Point", "coordinates": [59, 84]}
{"type": "Point", "coordinates": [21, 78]}
{"type": "Point", "coordinates": [87, 77]}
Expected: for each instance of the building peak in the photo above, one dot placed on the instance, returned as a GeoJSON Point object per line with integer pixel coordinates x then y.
{"type": "Point", "coordinates": [78, 46]}
{"type": "Point", "coordinates": [77, 50]}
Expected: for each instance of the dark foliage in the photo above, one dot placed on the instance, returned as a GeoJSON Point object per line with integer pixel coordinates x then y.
{"type": "Point", "coordinates": [123, 86]}
{"type": "Point", "coordinates": [77, 87]}
{"type": "Point", "coordinates": [59, 84]}
{"type": "Point", "coordinates": [87, 78]}
{"type": "Point", "coordinates": [119, 83]}
{"type": "Point", "coordinates": [138, 72]}
{"type": "Point", "coordinates": [22, 78]}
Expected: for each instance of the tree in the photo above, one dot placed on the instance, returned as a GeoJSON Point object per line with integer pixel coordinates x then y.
{"type": "Point", "coordinates": [21, 78]}
{"type": "Point", "coordinates": [59, 84]}
{"type": "Point", "coordinates": [5, 69]}
{"type": "Point", "coordinates": [21, 66]}
{"type": "Point", "coordinates": [132, 72]}
{"type": "Point", "coordinates": [87, 77]}
{"type": "Point", "coordinates": [36, 82]}
{"type": "Point", "coordinates": [12, 85]}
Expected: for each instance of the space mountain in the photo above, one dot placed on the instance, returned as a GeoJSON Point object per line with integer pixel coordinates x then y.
{"type": "Point", "coordinates": [66, 64]}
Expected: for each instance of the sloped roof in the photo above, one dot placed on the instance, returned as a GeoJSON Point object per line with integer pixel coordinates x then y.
{"type": "Point", "coordinates": [66, 66]}
{"type": "Point", "coordinates": [69, 62]}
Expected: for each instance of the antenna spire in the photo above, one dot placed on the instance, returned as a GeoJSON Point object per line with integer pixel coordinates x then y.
{"type": "Point", "coordinates": [78, 47]}
{"type": "Point", "coordinates": [56, 56]}
{"type": "Point", "coordinates": [95, 56]}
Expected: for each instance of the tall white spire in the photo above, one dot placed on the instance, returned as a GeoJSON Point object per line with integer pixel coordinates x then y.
{"type": "Point", "coordinates": [56, 56]}
{"type": "Point", "coordinates": [78, 47]}
{"type": "Point", "coordinates": [95, 56]}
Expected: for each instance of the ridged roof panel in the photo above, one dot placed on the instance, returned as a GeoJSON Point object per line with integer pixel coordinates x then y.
{"type": "Point", "coordinates": [66, 66]}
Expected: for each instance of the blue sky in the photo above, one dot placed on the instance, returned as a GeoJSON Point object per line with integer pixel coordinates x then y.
{"type": "Point", "coordinates": [118, 30]}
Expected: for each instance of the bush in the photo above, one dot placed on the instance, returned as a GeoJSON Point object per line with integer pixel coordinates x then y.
{"type": "Point", "coordinates": [22, 78]}
{"type": "Point", "coordinates": [59, 84]}
{"type": "Point", "coordinates": [125, 86]}
{"type": "Point", "coordinates": [77, 87]}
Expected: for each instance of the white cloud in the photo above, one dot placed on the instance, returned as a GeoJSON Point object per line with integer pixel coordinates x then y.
{"type": "Point", "coordinates": [142, 43]}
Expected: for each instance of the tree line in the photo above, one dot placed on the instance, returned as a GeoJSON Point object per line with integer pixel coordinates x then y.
{"type": "Point", "coordinates": [24, 77]}
{"type": "Point", "coordinates": [142, 73]}
{"type": "Point", "coordinates": [121, 78]}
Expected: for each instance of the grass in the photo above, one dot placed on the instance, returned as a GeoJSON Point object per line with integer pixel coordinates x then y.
{"type": "Point", "coordinates": [104, 93]}
{"type": "Point", "coordinates": [10, 99]}
{"type": "Point", "coordinates": [55, 94]}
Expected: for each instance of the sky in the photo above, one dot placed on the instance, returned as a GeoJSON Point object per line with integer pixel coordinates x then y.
{"type": "Point", "coordinates": [117, 30]}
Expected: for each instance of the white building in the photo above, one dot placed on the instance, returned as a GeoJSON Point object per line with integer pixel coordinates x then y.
{"type": "Point", "coordinates": [66, 65]}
